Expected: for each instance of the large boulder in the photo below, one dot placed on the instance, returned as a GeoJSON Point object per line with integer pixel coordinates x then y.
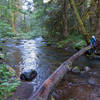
{"type": "Point", "coordinates": [28, 75]}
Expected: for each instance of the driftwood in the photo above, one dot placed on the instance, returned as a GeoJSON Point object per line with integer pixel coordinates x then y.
{"type": "Point", "coordinates": [47, 87]}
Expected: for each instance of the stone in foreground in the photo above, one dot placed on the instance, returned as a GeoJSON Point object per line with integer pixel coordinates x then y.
{"type": "Point", "coordinates": [28, 75]}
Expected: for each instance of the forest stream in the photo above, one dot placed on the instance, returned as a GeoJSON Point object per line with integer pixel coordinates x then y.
{"type": "Point", "coordinates": [36, 55]}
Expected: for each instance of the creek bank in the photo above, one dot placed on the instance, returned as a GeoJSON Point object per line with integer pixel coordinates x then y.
{"type": "Point", "coordinates": [72, 47]}
{"type": "Point", "coordinates": [68, 47]}
{"type": "Point", "coordinates": [77, 87]}
{"type": "Point", "coordinates": [8, 79]}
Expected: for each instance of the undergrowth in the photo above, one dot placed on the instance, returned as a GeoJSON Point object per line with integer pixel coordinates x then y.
{"type": "Point", "coordinates": [8, 83]}
{"type": "Point", "coordinates": [8, 80]}
{"type": "Point", "coordinates": [75, 39]}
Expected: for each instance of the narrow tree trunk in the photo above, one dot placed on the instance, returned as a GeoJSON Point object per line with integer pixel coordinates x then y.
{"type": "Point", "coordinates": [65, 32]}
{"type": "Point", "coordinates": [13, 21]}
{"type": "Point", "coordinates": [18, 19]}
{"type": "Point", "coordinates": [98, 18]}
{"type": "Point", "coordinates": [47, 87]}
{"type": "Point", "coordinates": [25, 28]}
{"type": "Point", "coordinates": [84, 33]}
{"type": "Point", "coordinates": [12, 15]}
{"type": "Point", "coordinates": [90, 24]}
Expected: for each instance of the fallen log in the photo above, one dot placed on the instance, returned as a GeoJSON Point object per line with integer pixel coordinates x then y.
{"type": "Point", "coordinates": [47, 87]}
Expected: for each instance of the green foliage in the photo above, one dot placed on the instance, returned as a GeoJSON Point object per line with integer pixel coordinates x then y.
{"type": "Point", "coordinates": [79, 44]}
{"type": "Point", "coordinates": [47, 20]}
{"type": "Point", "coordinates": [72, 99]}
{"type": "Point", "coordinates": [75, 39]}
{"type": "Point", "coordinates": [4, 27]}
{"type": "Point", "coordinates": [38, 13]}
{"type": "Point", "coordinates": [9, 35]}
{"type": "Point", "coordinates": [5, 30]}
{"type": "Point", "coordinates": [29, 35]}
{"type": "Point", "coordinates": [7, 83]}
{"type": "Point", "coordinates": [2, 56]}
{"type": "Point", "coordinates": [54, 24]}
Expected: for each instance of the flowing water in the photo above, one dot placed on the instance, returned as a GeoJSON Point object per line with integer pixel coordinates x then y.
{"type": "Point", "coordinates": [34, 53]}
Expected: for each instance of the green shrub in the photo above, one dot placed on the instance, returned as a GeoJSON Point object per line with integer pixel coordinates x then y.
{"type": "Point", "coordinates": [4, 29]}
{"type": "Point", "coordinates": [75, 39]}
{"type": "Point", "coordinates": [7, 83]}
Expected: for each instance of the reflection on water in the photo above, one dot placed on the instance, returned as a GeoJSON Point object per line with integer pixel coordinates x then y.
{"type": "Point", "coordinates": [29, 56]}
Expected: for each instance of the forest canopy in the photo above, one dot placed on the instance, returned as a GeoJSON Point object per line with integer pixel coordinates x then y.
{"type": "Point", "coordinates": [52, 19]}
{"type": "Point", "coordinates": [57, 23]}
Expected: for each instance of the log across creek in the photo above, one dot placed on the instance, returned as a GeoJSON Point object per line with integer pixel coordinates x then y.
{"type": "Point", "coordinates": [48, 86]}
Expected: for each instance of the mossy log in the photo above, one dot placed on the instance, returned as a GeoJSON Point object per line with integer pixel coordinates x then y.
{"type": "Point", "coordinates": [48, 86]}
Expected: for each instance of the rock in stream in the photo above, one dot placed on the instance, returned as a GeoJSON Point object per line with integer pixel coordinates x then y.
{"type": "Point", "coordinates": [28, 75]}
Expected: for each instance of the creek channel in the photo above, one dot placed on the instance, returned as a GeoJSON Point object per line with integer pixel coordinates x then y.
{"type": "Point", "coordinates": [24, 54]}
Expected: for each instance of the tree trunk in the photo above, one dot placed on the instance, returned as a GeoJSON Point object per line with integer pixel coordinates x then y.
{"type": "Point", "coordinates": [18, 19]}
{"type": "Point", "coordinates": [47, 87]}
{"type": "Point", "coordinates": [98, 18]}
{"type": "Point", "coordinates": [91, 8]}
{"type": "Point", "coordinates": [65, 31]}
{"type": "Point", "coordinates": [12, 15]}
{"type": "Point", "coordinates": [13, 21]}
{"type": "Point", "coordinates": [84, 33]}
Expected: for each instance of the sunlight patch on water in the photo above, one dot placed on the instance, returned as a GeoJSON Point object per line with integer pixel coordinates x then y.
{"type": "Point", "coordinates": [29, 56]}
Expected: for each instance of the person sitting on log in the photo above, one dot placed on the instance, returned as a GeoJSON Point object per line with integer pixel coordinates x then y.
{"type": "Point", "coordinates": [93, 44]}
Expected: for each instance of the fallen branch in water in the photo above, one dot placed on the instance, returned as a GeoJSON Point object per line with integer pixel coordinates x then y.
{"type": "Point", "coordinates": [47, 87]}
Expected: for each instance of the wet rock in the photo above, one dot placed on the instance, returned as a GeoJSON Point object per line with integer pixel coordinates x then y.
{"type": "Point", "coordinates": [76, 70]}
{"type": "Point", "coordinates": [3, 41]}
{"type": "Point", "coordinates": [84, 74]}
{"type": "Point", "coordinates": [87, 69]}
{"type": "Point", "coordinates": [48, 44]}
{"type": "Point", "coordinates": [55, 95]}
{"type": "Point", "coordinates": [54, 45]}
{"type": "Point", "coordinates": [2, 61]}
{"type": "Point", "coordinates": [70, 85]}
{"type": "Point", "coordinates": [1, 48]}
{"type": "Point", "coordinates": [70, 49]}
{"type": "Point", "coordinates": [67, 48]}
{"type": "Point", "coordinates": [92, 81]}
{"type": "Point", "coordinates": [13, 65]}
{"type": "Point", "coordinates": [28, 75]}
{"type": "Point", "coordinates": [17, 43]}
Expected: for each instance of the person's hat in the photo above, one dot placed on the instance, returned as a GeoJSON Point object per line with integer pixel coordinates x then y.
{"type": "Point", "coordinates": [93, 36]}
